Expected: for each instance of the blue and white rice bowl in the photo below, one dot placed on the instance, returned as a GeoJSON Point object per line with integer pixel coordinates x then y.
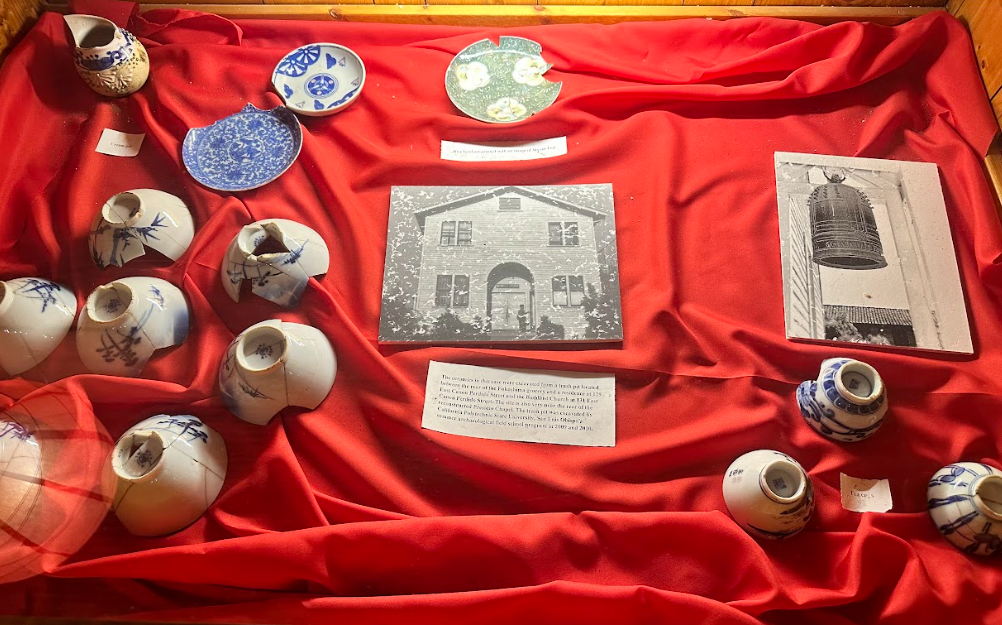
{"type": "Point", "coordinates": [319, 79]}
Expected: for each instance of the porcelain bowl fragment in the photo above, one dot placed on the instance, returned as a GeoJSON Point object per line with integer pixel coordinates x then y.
{"type": "Point", "coordinates": [319, 79]}
{"type": "Point", "coordinates": [965, 505]}
{"type": "Point", "coordinates": [274, 364]}
{"type": "Point", "coordinates": [124, 322]}
{"type": "Point", "coordinates": [278, 257]}
{"type": "Point", "coordinates": [169, 470]}
{"type": "Point", "coordinates": [131, 220]}
{"type": "Point", "coordinates": [244, 151]}
{"type": "Point", "coordinates": [35, 316]}
{"type": "Point", "coordinates": [769, 494]}
{"type": "Point", "coordinates": [847, 402]}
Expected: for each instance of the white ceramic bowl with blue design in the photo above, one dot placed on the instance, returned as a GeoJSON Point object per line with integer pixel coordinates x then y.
{"type": "Point", "coordinates": [847, 403]}
{"type": "Point", "coordinates": [319, 79]}
{"type": "Point", "coordinates": [769, 494]}
{"type": "Point", "coordinates": [35, 315]}
{"type": "Point", "coordinates": [168, 471]}
{"type": "Point", "coordinates": [965, 504]}
{"type": "Point", "coordinates": [132, 220]}
{"type": "Point", "coordinates": [275, 364]}
{"type": "Point", "coordinates": [124, 322]}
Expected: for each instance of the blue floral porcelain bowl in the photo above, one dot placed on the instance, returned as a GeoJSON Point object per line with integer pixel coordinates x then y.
{"type": "Point", "coordinates": [244, 151]}
{"type": "Point", "coordinates": [319, 79]}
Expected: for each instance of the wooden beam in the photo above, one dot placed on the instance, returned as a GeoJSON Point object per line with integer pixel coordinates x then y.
{"type": "Point", "coordinates": [16, 16]}
{"type": "Point", "coordinates": [524, 15]}
{"type": "Point", "coordinates": [689, 3]}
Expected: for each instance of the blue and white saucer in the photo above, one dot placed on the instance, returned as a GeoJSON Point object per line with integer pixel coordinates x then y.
{"type": "Point", "coordinates": [244, 151]}
{"type": "Point", "coordinates": [319, 79]}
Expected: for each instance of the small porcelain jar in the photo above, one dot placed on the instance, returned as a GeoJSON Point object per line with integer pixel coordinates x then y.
{"type": "Point", "coordinates": [846, 403]}
{"type": "Point", "coordinates": [35, 315]}
{"type": "Point", "coordinates": [169, 471]}
{"type": "Point", "coordinates": [769, 494]}
{"type": "Point", "coordinates": [110, 60]}
{"type": "Point", "coordinates": [278, 256]}
{"type": "Point", "coordinates": [131, 220]}
{"type": "Point", "coordinates": [275, 364]}
{"type": "Point", "coordinates": [124, 322]}
{"type": "Point", "coordinates": [965, 504]}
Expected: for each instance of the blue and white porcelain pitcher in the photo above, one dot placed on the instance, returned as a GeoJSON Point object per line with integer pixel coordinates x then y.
{"type": "Point", "coordinates": [110, 60]}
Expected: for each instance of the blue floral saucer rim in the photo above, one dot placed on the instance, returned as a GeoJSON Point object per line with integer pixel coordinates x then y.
{"type": "Point", "coordinates": [269, 140]}
{"type": "Point", "coordinates": [292, 76]}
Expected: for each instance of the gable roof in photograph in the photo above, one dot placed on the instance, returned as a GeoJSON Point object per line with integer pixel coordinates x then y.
{"type": "Point", "coordinates": [498, 191]}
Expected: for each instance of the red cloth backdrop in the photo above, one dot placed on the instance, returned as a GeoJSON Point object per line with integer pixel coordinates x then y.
{"type": "Point", "coordinates": [354, 512]}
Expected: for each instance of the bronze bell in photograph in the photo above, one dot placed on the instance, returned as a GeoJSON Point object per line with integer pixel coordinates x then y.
{"type": "Point", "coordinates": [843, 229]}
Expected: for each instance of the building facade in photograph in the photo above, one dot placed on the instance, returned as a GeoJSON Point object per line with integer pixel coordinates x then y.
{"type": "Point", "coordinates": [507, 257]}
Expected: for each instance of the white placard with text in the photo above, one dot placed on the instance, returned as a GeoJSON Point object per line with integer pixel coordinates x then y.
{"type": "Point", "coordinates": [865, 495]}
{"type": "Point", "coordinates": [504, 150]}
{"type": "Point", "coordinates": [115, 143]}
{"type": "Point", "coordinates": [567, 408]}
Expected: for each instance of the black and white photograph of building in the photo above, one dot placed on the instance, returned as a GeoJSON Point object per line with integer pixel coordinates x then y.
{"type": "Point", "coordinates": [494, 264]}
{"type": "Point", "coordinates": [867, 253]}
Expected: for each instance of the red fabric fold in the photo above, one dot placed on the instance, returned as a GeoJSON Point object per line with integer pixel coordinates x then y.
{"type": "Point", "coordinates": [353, 511]}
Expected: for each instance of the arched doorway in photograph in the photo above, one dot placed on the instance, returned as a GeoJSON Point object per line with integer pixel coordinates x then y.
{"type": "Point", "coordinates": [511, 297]}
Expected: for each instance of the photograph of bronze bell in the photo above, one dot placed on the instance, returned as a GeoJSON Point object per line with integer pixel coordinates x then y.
{"type": "Point", "coordinates": [844, 231]}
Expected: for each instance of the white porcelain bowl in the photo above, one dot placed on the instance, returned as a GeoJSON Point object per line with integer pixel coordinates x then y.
{"type": "Point", "coordinates": [769, 494]}
{"type": "Point", "coordinates": [124, 322]}
{"type": "Point", "coordinates": [131, 220]}
{"type": "Point", "coordinates": [965, 504]}
{"type": "Point", "coordinates": [278, 257]}
{"type": "Point", "coordinates": [319, 79]}
{"type": "Point", "coordinates": [169, 470]}
{"type": "Point", "coordinates": [274, 364]}
{"type": "Point", "coordinates": [35, 315]}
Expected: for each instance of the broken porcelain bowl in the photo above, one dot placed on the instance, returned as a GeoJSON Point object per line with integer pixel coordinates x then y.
{"type": "Point", "coordinates": [274, 364]}
{"type": "Point", "coordinates": [35, 315]}
{"type": "Point", "coordinates": [169, 470]}
{"type": "Point", "coordinates": [124, 322]}
{"type": "Point", "coordinates": [278, 256]}
{"type": "Point", "coordinates": [131, 220]}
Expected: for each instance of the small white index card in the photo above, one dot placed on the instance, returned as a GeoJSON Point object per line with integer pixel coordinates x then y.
{"type": "Point", "coordinates": [863, 495]}
{"type": "Point", "coordinates": [566, 408]}
{"type": "Point", "coordinates": [115, 143]}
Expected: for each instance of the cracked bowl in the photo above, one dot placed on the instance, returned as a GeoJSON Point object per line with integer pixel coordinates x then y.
{"type": "Point", "coordinates": [131, 221]}
{"type": "Point", "coordinates": [35, 315]}
{"type": "Point", "coordinates": [274, 364]}
{"type": "Point", "coordinates": [169, 470]}
{"type": "Point", "coordinates": [124, 322]}
{"type": "Point", "coordinates": [277, 257]}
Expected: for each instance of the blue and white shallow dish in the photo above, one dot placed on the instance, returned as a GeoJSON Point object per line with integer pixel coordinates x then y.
{"type": "Point", "coordinates": [244, 151]}
{"type": "Point", "coordinates": [965, 504]}
{"type": "Point", "coordinates": [847, 403]}
{"type": "Point", "coordinates": [319, 79]}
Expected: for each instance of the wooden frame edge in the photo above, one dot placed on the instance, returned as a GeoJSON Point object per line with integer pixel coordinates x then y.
{"type": "Point", "coordinates": [493, 15]}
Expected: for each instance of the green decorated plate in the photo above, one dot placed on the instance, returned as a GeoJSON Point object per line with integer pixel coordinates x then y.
{"type": "Point", "coordinates": [500, 84]}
